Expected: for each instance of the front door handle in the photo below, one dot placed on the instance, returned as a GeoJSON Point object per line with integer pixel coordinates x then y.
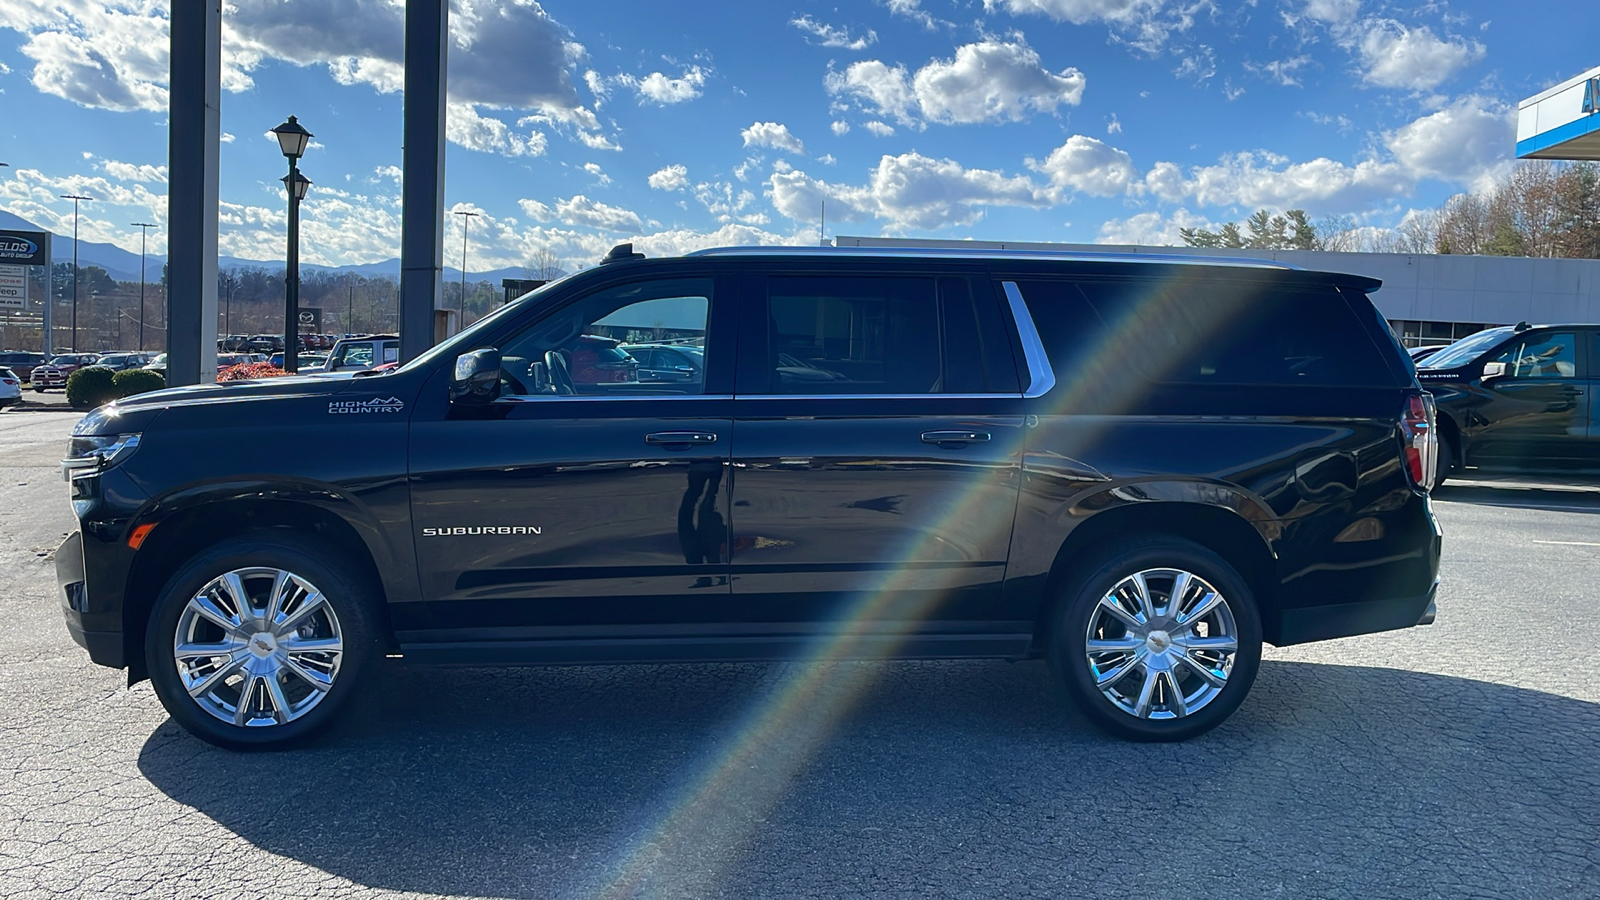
{"type": "Point", "coordinates": [681, 438]}
{"type": "Point", "coordinates": [954, 437]}
{"type": "Point", "coordinates": [1570, 391]}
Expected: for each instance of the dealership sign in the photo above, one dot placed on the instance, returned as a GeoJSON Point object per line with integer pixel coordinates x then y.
{"type": "Point", "coordinates": [22, 248]}
{"type": "Point", "coordinates": [13, 287]}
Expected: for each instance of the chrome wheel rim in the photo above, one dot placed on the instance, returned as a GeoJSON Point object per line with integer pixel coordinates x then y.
{"type": "Point", "coordinates": [1161, 644]}
{"type": "Point", "coordinates": [258, 647]}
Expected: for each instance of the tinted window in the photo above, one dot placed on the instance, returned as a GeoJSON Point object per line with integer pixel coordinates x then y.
{"type": "Point", "coordinates": [1188, 331]}
{"type": "Point", "coordinates": [853, 336]}
{"type": "Point", "coordinates": [1548, 355]}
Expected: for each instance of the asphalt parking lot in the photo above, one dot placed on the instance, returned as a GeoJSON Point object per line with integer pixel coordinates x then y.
{"type": "Point", "coordinates": [1462, 759]}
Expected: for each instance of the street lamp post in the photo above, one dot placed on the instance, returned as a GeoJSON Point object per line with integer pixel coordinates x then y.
{"type": "Point", "coordinates": [75, 198]}
{"type": "Point", "coordinates": [143, 233]}
{"type": "Point", "coordinates": [467, 217]}
{"type": "Point", "coordinates": [293, 140]}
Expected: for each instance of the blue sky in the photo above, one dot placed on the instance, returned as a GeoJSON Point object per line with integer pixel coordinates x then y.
{"type": "Point", "coordinates": [577, 125]}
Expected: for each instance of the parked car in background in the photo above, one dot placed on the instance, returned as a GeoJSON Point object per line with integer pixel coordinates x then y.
{"type": "Point", "coordinates": [1418, 354]}
{"type": "Point", "coordinates": [10, 388]}
{"type": "Point", "coordinates": [233, 343]}
{"type": "Point", "coordinates": [21, 362]}
{"type": "Point", "coordinates": [1517, 398]}
{"type": "Point", "coordinates": [229, 360]}
{"type": "Point", "coordinates": [54, 373]}
{"type": "Point", "coordinates": [158, 365]}
{"type": "Point", "coordinates": [1044, 487]}
{"type": "Point", "coordinates": [304, 361]}
{"type": "Point", "coordinates": [594, 359]}
{"type": "Point", "coordinates": [668, 362]}
{"type": "Point", "coordinates": [117, 362]}
{"type": "Point", "coordinates": [265, 343]}
{"type": "Point", "coordinates": [359, 354]}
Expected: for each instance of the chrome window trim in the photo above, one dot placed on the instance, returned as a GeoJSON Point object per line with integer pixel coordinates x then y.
{"type": "Point", "coordinates": [1012, 396]}
{"type": "Point", "coordinates": [980, 255]}
{"type": "Point", "coordinates": [540, 398]}
{"type": "Point", "coordinates": [1041, 377]}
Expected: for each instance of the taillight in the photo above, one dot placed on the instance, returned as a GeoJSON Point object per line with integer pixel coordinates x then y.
{"type": "Point", "coordinates": [1421, 437]}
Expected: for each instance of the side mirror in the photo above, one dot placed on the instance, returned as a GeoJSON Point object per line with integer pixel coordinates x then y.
{"type": "Point", "coordinates": [477, 378]}
{"type": "Point", "coordinates": [1493, 370]}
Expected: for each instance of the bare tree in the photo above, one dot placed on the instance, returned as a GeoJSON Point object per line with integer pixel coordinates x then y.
{"type": "Point", "coordinates": [544, 265]}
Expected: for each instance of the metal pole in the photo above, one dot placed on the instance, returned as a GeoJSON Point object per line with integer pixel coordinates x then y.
{"type": "Point", "coordinates": [422, 158]}
{"type": "Point", "coordinates": [291, 291]}
{"type": "Point", "coordinates": [194, 138]}
{"type": "Point", "coordinates": [49, 296]}
{"type": "Point", "coordinates": [75, 198]}
{"type": "Point", "coordinates": [349, 309]}
{"type": "Point", "coordinates": [144, 233]}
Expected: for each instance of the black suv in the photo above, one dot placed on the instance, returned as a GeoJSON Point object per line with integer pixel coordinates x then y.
{"type": "Point", "coordinates": [1138, 468]}
{"type": "Point", "coordinates": [1518, 397]}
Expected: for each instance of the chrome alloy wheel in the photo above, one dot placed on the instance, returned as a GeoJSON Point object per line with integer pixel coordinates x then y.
{"type": "Point", "coordinates": [258, 647]}
{"type": "Point", "coordinates": [1161, 644]}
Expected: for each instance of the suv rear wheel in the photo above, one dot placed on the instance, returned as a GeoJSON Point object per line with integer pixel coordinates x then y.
{"type": "Point", "coordinates": [257, 642]}
{"type": "Point", "coordinates": [1159, 642]}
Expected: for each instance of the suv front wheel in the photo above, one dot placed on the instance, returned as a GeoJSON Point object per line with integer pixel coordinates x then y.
{"type": "Point", "coordinates": [258, 641]}
{"type": "Point", "coordinates": [1159, 642]}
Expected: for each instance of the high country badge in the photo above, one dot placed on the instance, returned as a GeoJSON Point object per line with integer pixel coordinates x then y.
{"type": "Point", "coordinates": [375, 405]}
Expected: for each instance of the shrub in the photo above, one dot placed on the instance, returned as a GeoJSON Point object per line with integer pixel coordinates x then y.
{"type": "Point", "coordinates": [90, 387]}
{"type": "Point", "coordinates": [137, 381]}
{"type": "Point", "coordinates": [250, 371]}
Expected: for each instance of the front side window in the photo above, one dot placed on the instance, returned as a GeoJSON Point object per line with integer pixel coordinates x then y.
{"type": "Point", "coordinates": [578, 350]}
{"type": "Point", "coordinates": [849, 335]}
{"type": "Point", "coordinates": [1542, 356]}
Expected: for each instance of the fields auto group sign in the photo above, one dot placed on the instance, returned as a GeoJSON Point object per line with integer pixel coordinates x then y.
{"type": "Point", "coordinates": [22, 248]}
{"type": "Point", "coordinates": [18, 249]}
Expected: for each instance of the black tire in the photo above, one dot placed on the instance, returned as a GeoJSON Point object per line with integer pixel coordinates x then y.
{"type": "Point", "coordinates": [1447, 460]}
{"type": "Point", "coordinates": [352, 603]}
{"type": "Point", "coordinates": [38, 390]}
{"type": "Point", "coordinates": [1078, 602]}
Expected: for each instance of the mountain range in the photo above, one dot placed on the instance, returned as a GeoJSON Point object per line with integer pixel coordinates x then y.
{"type": "Point", "coordinates": [124, 266]}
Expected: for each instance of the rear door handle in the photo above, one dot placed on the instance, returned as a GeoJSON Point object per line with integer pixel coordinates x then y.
{"type": "Point", "coordinates": [1572, 391]}
{"type": "Point", "coordinates": [955, 437]}
{"type": "Point", "coordinates": [681, 438]}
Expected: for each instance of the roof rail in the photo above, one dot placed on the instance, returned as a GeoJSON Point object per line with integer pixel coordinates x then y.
{"type": "Point", "coordinates": [978, 253]}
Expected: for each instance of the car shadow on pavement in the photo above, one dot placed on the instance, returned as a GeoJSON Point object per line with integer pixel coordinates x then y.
{"type": "Point", "coordinates": [939, 778]}
{"type": "Point", "coordinates": [1520, 496]}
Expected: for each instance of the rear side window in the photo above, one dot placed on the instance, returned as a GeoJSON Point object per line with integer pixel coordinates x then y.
{"type": "Point", "coordinates": [1189, 330]}
{"type": "Point", "coordinates": [853, 336]}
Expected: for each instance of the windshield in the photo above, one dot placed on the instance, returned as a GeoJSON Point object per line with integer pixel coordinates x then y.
{"type": "Point", "coordinates": [1465, 350]}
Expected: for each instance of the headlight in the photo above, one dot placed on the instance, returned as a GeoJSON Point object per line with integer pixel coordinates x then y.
{"type": "Point", "coordinates": [91, 455]}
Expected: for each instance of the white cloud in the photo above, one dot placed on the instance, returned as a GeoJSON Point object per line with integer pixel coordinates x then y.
{"type": "Point", "coordinates": [1282, 70]}
{"type": "Point", "coordinates": [1114, 126]}
{"type": "Point", "coordinates": [880, 129]}
{"type": "Point", "coordinates": [988, 81]}
{"type": "Point", "coordinates": [1333, 12]}
{"type": "Point", "coordinates": [581, 211]}
{"type": "Point", "coordinates": [672, 178]}
{"type": "Point", "coordinates": [1151, 229]}
{"type": "Point", "coordinates": [599, 174]}
{"type": "Point", "coordinates": [226, 138]}
{"type": "Point", "coordinates": [1088, 166]}
{"type": "Point", "coordinates": [112, 54]}
{"type": "Point", "coordinates": [466, 127]}
{"type": "Point", "coordinates": [771, 134]}
{"type": "Point", "coordinates": [656, 87]}
{"type": "Point", "coordinates": [909, 191]}
{"type": "Point", "coordinates": [535, 210]}
{"type": "Point", "coordinates": [912, 9]}
{"type": "Point", "coordinates": [130, 172]}
{"type": "Point", "coordinates": [841, 127]}
{"type": "Point", "coordinates": [1079, 12]}
{"type": "Point", "coordinates": [392, 173]}
{"type": "Point", "coordinates": [834, 36]}
{"type": "Point", "coordinates": [1394, 55]}
{"type": "Point", "coordinates": [1460, 143]}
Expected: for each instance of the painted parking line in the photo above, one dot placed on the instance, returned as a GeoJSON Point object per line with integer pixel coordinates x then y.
{"type": "Point", "coordinates": [1571, 543]}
